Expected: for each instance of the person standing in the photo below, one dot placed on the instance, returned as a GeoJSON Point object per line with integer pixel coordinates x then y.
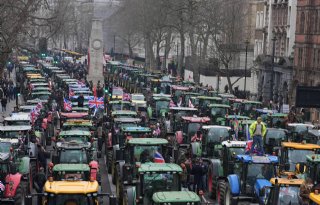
{"type": "Point", "coordinates": [197, 171]}
{"type": "Point", "coordinates": [80, 100]}
{"type": "Point", "coordinates": [38, 183]}
{"type": "Point", "coordinates": [257, 131]}
{"type": "Point", "coordinates": [4, 104]}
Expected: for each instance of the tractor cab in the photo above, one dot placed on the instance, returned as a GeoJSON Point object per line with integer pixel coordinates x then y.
{"type": "Point", "coordinates": [187, 97]}
{"type": "Point", "coordinates": [124, 114]}
{"type": "Point", "coordinates": [273, 139]}
{"type": "Point", "coordinates": [283, 191]}
{"type": "Point", "coordinates": [256, 172]}
{"type": "Point", "coordinates": [178, 112]}
{"type": "Point", "coordinates": [129, 158]}
{"type": "Point", "coordinates": [226, 98]}
{"type": "Point", "coordinates": [73, 152]}
{"type": "Point", "coordinates": [12, 138]}
{"type": "Point", "coordinates": [117, 105]}
{"type": "Point", "coordinates": [276, 120]}
{"type": "Point", "coordinates": [218, 113]}
{"type": "Point", "coordinates": [177, 91]}
{"type": "Point", "coordinates": [82, 125]}
{"type": "Point", "coordinates": [313, 172]}
{"type": "Point", "coordinates": [249, 107]}
{"type": "Point", "coordinates": [297, 132]}
{"type": "Point", "coordinates": [18, 119]}
{"type": "Point", "coordinates": [293, 153]}
{"type": "Point", "coordinates": [127, 133]}
{"type": "Point", "coordinates": [202, 102]}
{"type": "Point", "coordinates": [161, 104]}
{"type": "Point", "coordinates": [153, 178]}
{"type": "Point", "coordinates": [213, 135]}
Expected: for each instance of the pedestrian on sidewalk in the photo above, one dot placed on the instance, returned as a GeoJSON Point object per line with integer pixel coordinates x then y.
{"type": "Point", "coordinates": [4, 104]}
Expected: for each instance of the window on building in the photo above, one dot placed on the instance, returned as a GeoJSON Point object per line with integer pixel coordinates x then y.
{"type": "Point", "coordinates": [302, 22]}
{"type": "Point", "coordinates": [257, 20]}
{"type": "Point", "coordinates": [316, 21]}
{"type": "Point", "coordinates": [261, 19]}
{"type": "Point", "coordinates": [300, 56]}
{"type": "Point", "coordinates": [314, 59]}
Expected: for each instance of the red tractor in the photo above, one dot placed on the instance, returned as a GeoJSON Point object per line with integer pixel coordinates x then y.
{"type": "Point", "coordinates": [13, 187]}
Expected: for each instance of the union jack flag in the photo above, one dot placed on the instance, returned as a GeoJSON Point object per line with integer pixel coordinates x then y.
{"type": "Point", "coordinates": [95, 102]}
{"type": "Point", "coordinates": [2, 187]}
{"type": "Point", "coordinates": [67, 105]}
{"type": "Point", "coordinates": [158, 158]}
{"type": "Point", "coordinates": [34, 114]}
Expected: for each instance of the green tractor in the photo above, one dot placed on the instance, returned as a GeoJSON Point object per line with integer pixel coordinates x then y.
{"type": "Point", "coordinates": [128, 158]}
{"type": "Point", "coordinates": [217, 113]}
{"type": "Point", "coordinates": [176, 198]}
{"type": "Point", "coordinates": [155, 180]}
{"type": "Point", "coordinates": [74, 152]}
{"type": "Point", "coordinates": [246, 184]}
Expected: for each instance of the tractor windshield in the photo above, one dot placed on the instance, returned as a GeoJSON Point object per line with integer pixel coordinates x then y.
{"type": "Point", "coordinates": [73, 127]}
{"type": "Point", "coordinates": [275, 136]}
{"type": "Point", "coordinates": [156, 182]}
{"type": "Point", "coordinates": [162, 104]}
{"type": "Point", "coordinates": [289, 196]}
{"type": "Point", "coordinates": [218, 111]}
{"type": "Point", "coordinates": [73, 157]}
{"type": "Point", "coordinates": [193, 128]}
{"type": "Point", "coordinates": [5, 147]}
{"type": "Point", "coordinates": [78, 139]}
{"type": "Point", "coordinates": [145, 154]}
{"type": "Point", "coordinates": [297, 156]}
{"type": "Point", "coordinates": [121, 106]}
{"type": "Point", "coordinates": [70, 199]}
{"type": "Point", "coordinates": [217, 135]}
{"type": "Point", "coordinates": [19, 122]}
{"type": "Point", "coordinates": [259, 171]}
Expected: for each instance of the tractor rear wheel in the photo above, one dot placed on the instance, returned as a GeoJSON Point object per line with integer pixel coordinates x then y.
{"type": "Point", "coordinates": [20, 196]}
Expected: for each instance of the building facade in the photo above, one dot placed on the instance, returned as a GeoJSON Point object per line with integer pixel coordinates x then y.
{"type": "Point", "coordinates": [274, 49]}
{"type": "Point", "coordinates": [307, 48]}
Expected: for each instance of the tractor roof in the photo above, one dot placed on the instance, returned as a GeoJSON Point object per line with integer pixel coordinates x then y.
{"type": "Point", "coordinates": [147, 141]}
{"type": "Point", "coordinates": [300, 146]}
{"type": "Point", "coordinates": [13, 141]}
{"type": "Point", "coordinates": [197, 119]}
{"type": "Point", "coordinates": [74, 114]}
{"type": "Point", "coordinates": [72, 145]}
{"type": "Point", "coordinates": [161, 95]}
{"type": "Point", "coordinates": [40, 93]}
{"type": "Point", "coordinates": [183, 108]}
{"type": "Point", "coordinates": [75, 133]}
{"type": "Point", "coordinates": [78, 123]}
{"type": "Point", "coordinates": [257, 159]}
{"type": "Point", "coordinates": [135, 129]}
{"type": "Point", "coordinates": [226, 95]}
{"type": "Point", "coordinates": [119, 102]}
{"type": "Point", "coordinates": [80, 109]}
{"type": "Point", "coordinates": [266, 111]}
{"type": "Point", "coordinates": [175, 197]}
{"type": "Point", "coordinates": [159, 167]}
{"type": "Point", "coordinates": [218, 105]}
{"type": "Point", "coordinates": [127, 120]}
{"type": "Point", "coordinates": [71, 187]}
{"type": "Point", "coordinates": [207, 98]}
{"type": "Point", "coordinates": [234, 144]}
{"type": "Point", "coordinates": [10, 128]}
{"type": "Point", "coordinates": [71, 168]}
{"type": "Point", "coordinates": [207, 127]}
{"type": "Point", "coordinates": [239, 117]}
{"type": "Point", "coordinates": [301, 124]}
{"type": "Point", "coordinates": [285, 181]}
{"type": "Point", "coordinates": [123, 112]}
{"type": "Point", "coordinates": [279, 115]}
{"type": "Point", "coordinates": [20, 116]}
{"type": "Point", "coordinates": [177, 87]}
{"type": "Point", "coordinates": [4, 156]}
{"type": "Point", "coordinates": [315, 198]}
{"type": "Point", "coordinates": [315, 158]}
{"type": "Point", "coordinates": [252, 102]}
{"type": "Point", "coordinates": [162, 98]}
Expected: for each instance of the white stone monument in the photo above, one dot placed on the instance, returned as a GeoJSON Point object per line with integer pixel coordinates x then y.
{"type": "Point", "coordinates": [96, 53]}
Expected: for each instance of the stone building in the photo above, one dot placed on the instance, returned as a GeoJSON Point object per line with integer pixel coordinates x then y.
{"type": "Point", "coordinates": [275, 37]}
{"type": "Point", "coordinates": [307, 47]}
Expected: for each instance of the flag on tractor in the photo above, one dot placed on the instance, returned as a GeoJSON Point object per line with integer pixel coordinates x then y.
{"type": "Point", "coordinates": [158, 158]}
{"type": "Point", "coordinates": [71, 93]}
{"type": "Point", "coordinates": [95, 102]}
{"type": "Point", "coordinates": [67, 105]}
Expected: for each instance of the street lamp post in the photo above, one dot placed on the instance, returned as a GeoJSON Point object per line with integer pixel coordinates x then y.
{"type": "Point", "coordinates": [177, 58]}
{"type": "Point", "coordinates": [272, 67]}
{"type": "Point", "coordinates": [245, 69]}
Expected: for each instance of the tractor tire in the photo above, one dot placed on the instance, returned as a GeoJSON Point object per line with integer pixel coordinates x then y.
{"type": "Point", "coordinates": [33, 169]}
{"type": "Point", "coordinates": [109, 161]}
{"type": "Point", "coordinates": [223, 194]}
{"type": "Point", "coordinates": [119, 186]}
{"type": "Point", "coordinates": [20, 196]}
{"type": "Point", "coordinates": [212, 186]}
{"type": "Point", "coordinates": [114, 176]}
{"type": "Point", "coordinates": [128, 198]}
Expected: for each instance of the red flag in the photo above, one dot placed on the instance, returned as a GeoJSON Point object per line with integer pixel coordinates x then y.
{"type": "Point", "coordinates": [95, 91]}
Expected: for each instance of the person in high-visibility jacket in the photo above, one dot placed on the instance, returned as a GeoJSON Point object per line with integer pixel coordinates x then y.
{"type": "Point", "coordinates": [257, 131]}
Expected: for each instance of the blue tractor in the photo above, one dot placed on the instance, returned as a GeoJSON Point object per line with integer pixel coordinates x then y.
{"type": "Point", "coordinates": [254, 173]}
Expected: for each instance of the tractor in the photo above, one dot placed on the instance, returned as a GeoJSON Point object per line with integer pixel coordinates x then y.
{"type": "Point", "coordinates": [73, 152]}
{"type": "Point", "coordinates": [121, 137]}
{"type": "Point", "coordinates": [72, 183]}
{"type": "Point", "coordinates": [273, 139]}
{"type": "Point", "coordinates": [202, 102]}
{"type": "Point", "coordinates": [160, 104]}
{"type": "Point", "coordinates": [283, 191]}
{"type": "Point", "coordinates": [127, 159]}
{"type": "Point", "coordinates": [222, 162]}
{"type": "Point", "coordinates": [293, 153]}
{"type": "Point", "coordinates": [217, 113]}
{"type": "Point", "coordinates": [176, 198]}
{"type": "Point", "coordinates": [312, 170]}
{"type": "Point", "coordinates": [154, 178]}
{"type": "Point", "coordinates": [252, 175]}
{"type": "Point", "coordinates": [297, 132]}
{"type": "Point", "coordinates": [16, 177]}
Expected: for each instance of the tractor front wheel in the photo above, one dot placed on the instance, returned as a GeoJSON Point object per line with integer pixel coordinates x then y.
{"type": "Point", "coordinates": [20, 196]}
{"type": "Point", "coordinates": [224, 194]}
